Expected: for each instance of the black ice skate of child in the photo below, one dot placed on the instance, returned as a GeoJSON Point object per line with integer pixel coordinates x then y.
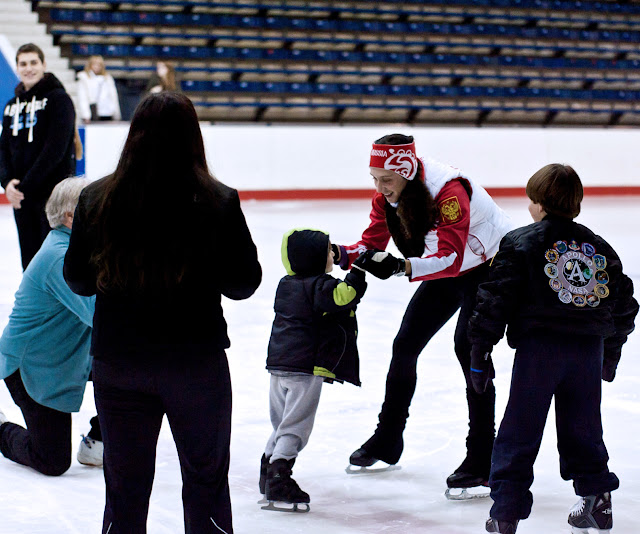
{"type": "Point", "coordinates": [281, 488]}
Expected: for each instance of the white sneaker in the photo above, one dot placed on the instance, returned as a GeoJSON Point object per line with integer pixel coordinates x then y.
{"type": "Point", "coordinates": [90, 451]}
{"type": "Point", "coordinates": [3, 418]}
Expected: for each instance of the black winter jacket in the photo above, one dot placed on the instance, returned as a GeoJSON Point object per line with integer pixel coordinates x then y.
{"type": "Point", "coordinates": [37, 147]}
{"type": "Point", "coordinates": [187, 321]}
{"type": "Point", "coordinates": [558, 276]}
{"type": "Point", "coordinates": [315, 328]}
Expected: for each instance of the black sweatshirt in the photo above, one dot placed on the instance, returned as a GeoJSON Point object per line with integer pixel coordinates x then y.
{"type": "Point", "coordinates": [37, 141]}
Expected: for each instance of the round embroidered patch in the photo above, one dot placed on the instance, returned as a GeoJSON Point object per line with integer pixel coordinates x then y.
{"type": "Point", "coordinates": [573, 245]}
{"type": "Point", "coordinates": [551, 255]}
{"type": "Point", "coordinates": [602, 277]}
{"type": "Point", "coordinates": [561, 246]}
{"type": "Point", "coordinates": [588, 249]}
{"type": "Point", "coordinates": [600, 261]}
{"type": "Point", "coordinates": [555, 284]}
{"type": "Point", "coordinates": [565, 296]}
{"type": "Point", "coordinates": [551, 270]}
{"type": "Point", "coordinates": [601, 291]}
{"type": "Point", "coordinates": [579, 301]}
{"type": "Point", "coordinates": [593, 300]}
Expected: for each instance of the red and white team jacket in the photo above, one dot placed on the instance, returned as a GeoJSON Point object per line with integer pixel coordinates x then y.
{"type": "Point", "coordinates": [467, 233]}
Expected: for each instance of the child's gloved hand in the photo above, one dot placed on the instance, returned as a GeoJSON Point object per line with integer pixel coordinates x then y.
{"type": "Point", "coordinates": [380, 264]}
{"type": "Point", "coordinates": [482, 370]}
{"type": "Point", "coordinates": [340, 257]}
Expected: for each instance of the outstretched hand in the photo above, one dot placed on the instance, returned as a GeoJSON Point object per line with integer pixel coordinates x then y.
{"type": "Point", "coordinates": [482, 370]}
{"type": "Point", "coordinates": [380, 264]}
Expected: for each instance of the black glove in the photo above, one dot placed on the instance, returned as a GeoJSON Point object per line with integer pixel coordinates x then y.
{"type": "Point", "coordinates": [610, 364]}
{"type": "Point", "coordinates": [340, 256]}
{"type": "Point", "coordinates": [481, 367]}
{"type": "Point", "coordinates": [380, 264]}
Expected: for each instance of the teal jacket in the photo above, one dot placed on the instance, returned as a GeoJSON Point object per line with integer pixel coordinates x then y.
{"type": "Point", "coordinates": [49, 331]}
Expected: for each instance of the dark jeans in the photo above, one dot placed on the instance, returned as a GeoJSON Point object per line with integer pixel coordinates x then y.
{"type": "Point", "coordinates": [132, 397]}
{"type": "Point", "coordinates": [569, 368]}
{"type": "Point", "coordinates": [45, 445]}
{"type": "Point", "coordinates": [33, 228]}
{"type": "Point", "coordinates": [432, 305]}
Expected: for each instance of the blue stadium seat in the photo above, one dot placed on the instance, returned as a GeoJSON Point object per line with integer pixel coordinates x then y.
{"type": "Point", "coordinates": [350, 89]}
{"type": "Point", "coordinates": [202, 19]}
{"type": "Point", "coordinates": [88, 49]}
{"type": "Point", "coordinates": [251, 53]}
{"type": "Point", "coordinates": [378, 57]}
{"type": "Point", "coordinates": [145, 51]}
{"type": "Point", "coordinates": [146, 17]}
{"type": "Point", "coordinates": [327, 88]}
{"type": "Point", "coordinates": [224, 52]}
{"type": "Point", "coordinates": [302, 88]}
{"type": "Point", "coordinates": [122, 17]}
{"type": "Point", "coordinates": [277, 87]}
{"type": "Point", "coordinates": [174, 19]}
{"type": "Point", "coordinates": [197, 52]}
{"type": "Point", "coordinates": [172, 51]}
{"type": "Point", "coordinates": [376, 90]}
{"type": "Point", "coordinates": [116, 50]}
{"type": "Point", "coordinates": [253, 87]}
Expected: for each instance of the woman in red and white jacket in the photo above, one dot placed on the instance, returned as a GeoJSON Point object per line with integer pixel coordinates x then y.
{"type": "Point", "coordinates": [447, 228]}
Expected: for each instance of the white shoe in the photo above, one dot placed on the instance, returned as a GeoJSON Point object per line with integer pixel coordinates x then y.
{"type": "Point", "coordinates": [90, 451]}
{"type": "Point", "coordinates": [3, 418]}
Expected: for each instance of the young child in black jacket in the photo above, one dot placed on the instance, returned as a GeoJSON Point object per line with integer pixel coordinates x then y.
{"type": "Point", "coordinates": [569, 309]}
{"type": "Point", "coordinates": [313, 339]}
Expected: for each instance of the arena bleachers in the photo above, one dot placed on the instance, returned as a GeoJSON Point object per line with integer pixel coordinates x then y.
{"type": "Point", "coordinates": [453, 61]}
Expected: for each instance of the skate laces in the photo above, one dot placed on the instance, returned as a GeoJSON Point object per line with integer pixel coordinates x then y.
{"type": "Point", "coordinates": [578, 508]}
{"type": "Point", "coordinates": [87, 440]}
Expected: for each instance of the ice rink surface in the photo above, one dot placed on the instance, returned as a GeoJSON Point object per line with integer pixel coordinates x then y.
{"type": "Point", "coordinates": [407, 501]}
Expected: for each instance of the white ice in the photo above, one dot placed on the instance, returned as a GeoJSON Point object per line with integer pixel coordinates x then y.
{"type": "Point", "coordinates": [406, 501]}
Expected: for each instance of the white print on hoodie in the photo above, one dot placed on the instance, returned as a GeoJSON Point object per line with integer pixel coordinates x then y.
{"type": "Point", "coordinates": [15, 110]}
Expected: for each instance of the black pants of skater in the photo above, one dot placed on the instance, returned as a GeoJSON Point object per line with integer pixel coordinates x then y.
{"type": "Point", "coordinates": [132, 397]}
{"type": "Point", "coordinates": [432, 305]}
{"type": "Point", "coordinates": [33, 228]}
{"type": "Point", "coordinates": [45, 445]}
{"type": "Point", "coordinates": [568, 368]}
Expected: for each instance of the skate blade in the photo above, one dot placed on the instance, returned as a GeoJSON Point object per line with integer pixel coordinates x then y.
{"type": "Point", "coordinates": [590, 530]}
{"type": "Point", "coordinates": [361, 470]}
{"type": "Point", "coordinates": [467, 494]}
{"type": "Point", "coordinates": [296, 508]}
{"type": "Point", "coordinates": [263, 500]}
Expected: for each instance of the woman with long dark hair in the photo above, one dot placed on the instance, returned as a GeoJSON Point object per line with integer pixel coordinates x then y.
{"type": "Point", "coordinates": [447, 228]}
{"type": "Point", "coordinates": [159, 241]}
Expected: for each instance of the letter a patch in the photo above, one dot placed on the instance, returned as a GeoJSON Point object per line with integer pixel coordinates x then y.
{"type": "Point", "coordinates": [450, 211]}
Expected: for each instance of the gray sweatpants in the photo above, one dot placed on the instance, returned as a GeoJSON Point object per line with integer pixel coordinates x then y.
{"type": "Point", "coordinates": [293, 402]}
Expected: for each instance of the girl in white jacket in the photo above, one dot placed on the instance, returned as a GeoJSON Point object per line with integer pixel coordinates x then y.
{"type": "Point", "coordinates": [97, 93]}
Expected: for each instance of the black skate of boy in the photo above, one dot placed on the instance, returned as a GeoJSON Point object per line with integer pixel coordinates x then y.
{"type": "Point", "coordinates": [281, 488]}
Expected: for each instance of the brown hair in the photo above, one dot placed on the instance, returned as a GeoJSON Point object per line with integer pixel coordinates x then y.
{"type": "Point", "coordinates": [558, 189]}
{"type": "Point", "coordinates": [162, 169]}
{"type": "Point", "coordinates": [28, 48]}
{"type": "Point", "coordinates": [417, 212]}
{"type": "Point", "coordinates": [87, 66]}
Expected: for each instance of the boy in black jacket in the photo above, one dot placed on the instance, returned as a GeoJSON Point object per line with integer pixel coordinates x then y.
{"type": "Point", "coordinates": [569, 308]}
{"type": "Point", "coordinates": [36, 146]}
{"type": "Point", "coordinates": [313, 339]}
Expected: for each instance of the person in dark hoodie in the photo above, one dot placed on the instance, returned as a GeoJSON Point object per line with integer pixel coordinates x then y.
{"type": "Point", "coordinates": [569, 308]}
{"type": "Point", "coordinates": [313, 340]}
{"type": "Point", "coordinates": [36, 146]}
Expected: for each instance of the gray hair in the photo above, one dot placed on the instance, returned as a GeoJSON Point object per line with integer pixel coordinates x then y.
{"type": "Point", "coordinates": [64, 199]}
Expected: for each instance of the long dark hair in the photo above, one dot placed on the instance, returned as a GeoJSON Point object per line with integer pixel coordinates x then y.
{"type": "Point", "coordinates": [416, 213]}
{"type": "Point", "coordinates": [145, 217]}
